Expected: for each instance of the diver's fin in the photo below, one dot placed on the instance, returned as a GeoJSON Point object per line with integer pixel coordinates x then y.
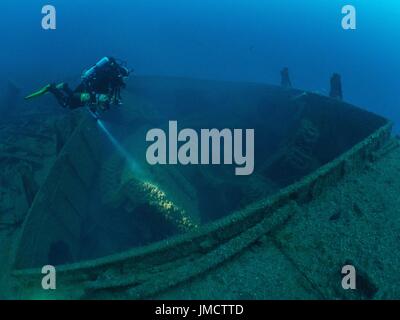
{"type": "Point", "coordinates": [39, 93]}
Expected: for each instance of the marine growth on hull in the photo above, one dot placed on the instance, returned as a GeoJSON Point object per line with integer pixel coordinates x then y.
{"type": "Point", "coordinates": [102, 196]}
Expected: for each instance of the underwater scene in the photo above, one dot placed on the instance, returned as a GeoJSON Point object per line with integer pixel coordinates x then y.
{"type": "Point", "coordinates": [199, 150]}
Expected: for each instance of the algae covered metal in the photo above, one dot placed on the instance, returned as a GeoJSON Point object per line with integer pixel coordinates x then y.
{"type": "Point", "coordinates": [206, 219]}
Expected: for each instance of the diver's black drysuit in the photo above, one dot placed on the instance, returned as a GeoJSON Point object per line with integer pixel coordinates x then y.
{"type": "Point", "coordinates": [104, 78]}
{"type": "Point", "coordinates": [66, 97]}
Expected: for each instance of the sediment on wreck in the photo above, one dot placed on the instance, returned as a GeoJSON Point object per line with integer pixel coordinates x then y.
{"type": "Point", "coordinates": [320, 149]}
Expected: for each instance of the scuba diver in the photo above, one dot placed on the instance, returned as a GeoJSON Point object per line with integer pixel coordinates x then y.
{"type": "Point", "coordinates": [100, 87]}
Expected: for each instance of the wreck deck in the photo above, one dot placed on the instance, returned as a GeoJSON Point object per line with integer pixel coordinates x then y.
{"type": "Point", "coordinates": [356, 138]}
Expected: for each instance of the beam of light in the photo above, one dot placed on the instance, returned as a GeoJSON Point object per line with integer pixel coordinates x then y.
{"type": "Point", "coordinates": [133, 165]}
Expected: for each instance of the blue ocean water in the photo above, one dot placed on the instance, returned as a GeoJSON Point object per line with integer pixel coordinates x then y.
{"type": "Point", "coordinates": [240, 40]}
{"type": "Point", "coordinates": [234, 40]}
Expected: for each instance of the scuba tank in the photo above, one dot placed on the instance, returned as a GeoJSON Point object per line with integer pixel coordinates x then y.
{"type": "Point", "coordinates": [87, 74]}
{"type": "Point", "coordinates": [107, 76]}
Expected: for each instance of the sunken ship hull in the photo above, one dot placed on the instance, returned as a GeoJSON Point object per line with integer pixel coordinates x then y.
{"type": "Point", "coordinates": [322, 196]}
